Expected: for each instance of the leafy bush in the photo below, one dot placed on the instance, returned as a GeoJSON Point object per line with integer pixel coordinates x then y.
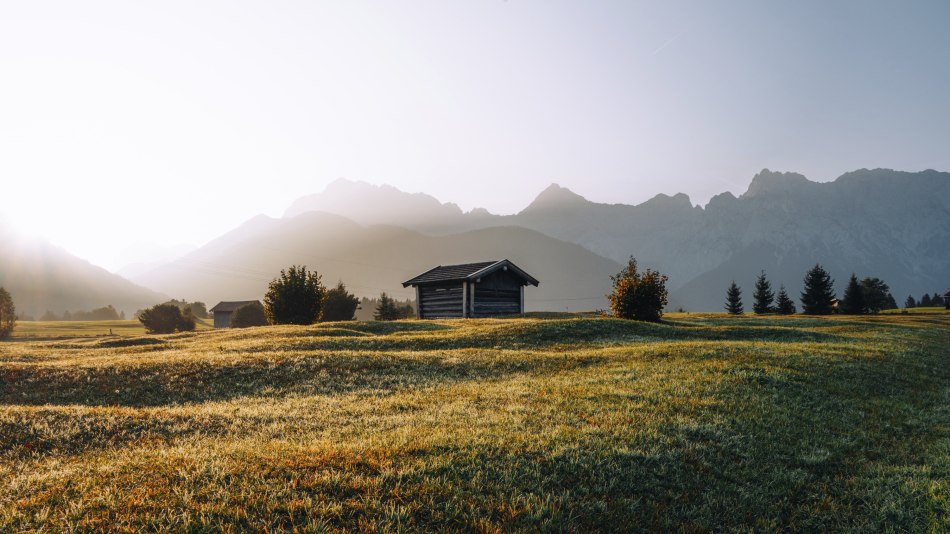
{"type": "Point", "coordinates": [636, 295]}
{"type": "Point", "coordinates": [7, 314]}
{"type": "Point", "coordinates": [295, 297]}
{"type": "Point", "coordinates": [165, 319]}
{"type": "Point", "coordinates": [251, 314]}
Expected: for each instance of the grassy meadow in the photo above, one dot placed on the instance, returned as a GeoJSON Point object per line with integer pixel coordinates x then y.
{"type": "Point", "coordinates": [577, 423]}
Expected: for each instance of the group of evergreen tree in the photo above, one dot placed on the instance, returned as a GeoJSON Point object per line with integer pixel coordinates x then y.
{"type": "Point", "coordinates": [765, 300]}
{"type": "Point", "coordinates": [870, 295]}
{"type": "Point", "coordinates": [925, 301]}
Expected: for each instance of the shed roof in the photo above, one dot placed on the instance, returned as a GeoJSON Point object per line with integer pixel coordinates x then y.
{"type": "Point", "coordinates": [231, 305]}
{"type": "Point", "coordinates": [467, 272]}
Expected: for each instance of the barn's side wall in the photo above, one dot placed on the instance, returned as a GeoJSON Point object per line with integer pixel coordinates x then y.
{"type": "Point", "coordinates": [497, 294]}
{"type": "Point", "coordinates": [222, 319]}
{"type": "Point", "coordinates": [440, 301]}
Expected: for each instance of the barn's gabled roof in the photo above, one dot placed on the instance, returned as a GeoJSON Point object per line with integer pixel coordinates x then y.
{"type": "Point", "coordinates": [946, 293]}
{"type": "Point", "coordinates": [467, 272]}
{"type": "Point", "coordinates": [230, 305]}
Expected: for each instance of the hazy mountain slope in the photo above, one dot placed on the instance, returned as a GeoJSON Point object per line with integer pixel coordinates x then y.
{"type": "Point", "coordinates": [371, 259]}
{"type": "Point", "coordinates": [890, 224]}
{"type": "Point", "coordinates": [43, 277]}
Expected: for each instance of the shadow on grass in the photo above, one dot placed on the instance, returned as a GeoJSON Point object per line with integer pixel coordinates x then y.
{"type": "Point", "coordinates": [178, 382]}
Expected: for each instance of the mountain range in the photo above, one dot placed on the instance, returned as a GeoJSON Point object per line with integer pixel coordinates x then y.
{"type": "Point", "coordinates": [890, 224]}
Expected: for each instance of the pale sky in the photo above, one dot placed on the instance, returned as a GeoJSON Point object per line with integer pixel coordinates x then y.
{"type": "Point", "coordinates": [127, 125]}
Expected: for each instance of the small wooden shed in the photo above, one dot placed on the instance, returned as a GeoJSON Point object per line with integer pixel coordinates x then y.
{"type": "Point", "coordinates": [946, 299]}
{"type": "Point", "coordinates": [222, 311]}
{"type": "Point", "coordinates": [484, 289]}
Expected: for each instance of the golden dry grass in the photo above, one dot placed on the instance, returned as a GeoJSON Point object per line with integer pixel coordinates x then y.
{"type": "Point", "coordinates": [702, 423]}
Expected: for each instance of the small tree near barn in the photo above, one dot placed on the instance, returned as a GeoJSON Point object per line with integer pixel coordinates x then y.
{"type": "Point", "coordinates": [636, 295]}
{"type": "Point", "coordinates": [295, 297]}
{"type": "Point", "coordinates": [7, 314]}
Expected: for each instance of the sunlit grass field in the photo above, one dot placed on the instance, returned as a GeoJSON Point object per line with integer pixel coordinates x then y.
{"type": "Point", "coordinates": [37, 330]}
{"type": "Point", "coordinates": [703, 423]}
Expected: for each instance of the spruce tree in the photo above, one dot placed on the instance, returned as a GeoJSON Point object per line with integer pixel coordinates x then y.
{"type": "Point", "coordinates": [386, 310]}
{"type": "Point", "coordinates": [853, 301]}
{"type": "Point", "coordinates": [819, 294]}
{"type": "Point", "coordinates": [783, 304]}
{"type": "Point", "coordinates": [891, 303]}
{"type": "Point", "coordinates": [910, 302]}
{"type": "Point", "coordinates": [763, 296]}
{"type": "Point", "coordinates": [734, 299]}
{"type": "Point", "coordinates": [924, 301]}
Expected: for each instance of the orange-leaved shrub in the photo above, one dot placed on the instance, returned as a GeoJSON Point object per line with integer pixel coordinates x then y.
{"type": "Point", "coordinates": [638, 295]}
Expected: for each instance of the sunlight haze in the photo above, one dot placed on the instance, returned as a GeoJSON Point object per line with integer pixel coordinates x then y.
{"type": "Point", "coordinates": [124, 124]}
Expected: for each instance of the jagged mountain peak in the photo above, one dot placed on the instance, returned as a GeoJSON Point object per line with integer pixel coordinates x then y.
{"type": "Point", "coordinates": [555, 197]}
{"type": "Point", "coordinates": [769, 182]}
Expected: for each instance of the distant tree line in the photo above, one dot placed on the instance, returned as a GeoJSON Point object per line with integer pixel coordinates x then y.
{"type": "Point", "coordinates": [926, 301]}
{"type": "Point", "coordinates": [864, 296]}
{"type": "Point", "coordinates": [105, 313]}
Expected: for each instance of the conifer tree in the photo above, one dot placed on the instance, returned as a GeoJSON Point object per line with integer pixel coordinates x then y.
{"type": "Point", "coordinates": [734, 299]}
{"type": "Point", "coordinates": [763, 296]}
{"type": "Point", "coordinates": [853, 301]}
{"type": "Point", "coordinates": [924, 301]}
{"type": "Point", "coordinates": [783, 304]}
{"type": "Point", "coordinates": [387, 310]}
{"type": "Point", "coordinates": [819, 294]}
{"type": "Point", "coordinates": [891, 303]}
{"type": "Point", "coordinates": [910, 302]}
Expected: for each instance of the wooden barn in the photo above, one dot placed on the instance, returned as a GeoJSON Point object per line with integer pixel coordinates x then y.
{"type": "Point", "coordinates": [946, 299]}
{"type": "Point", "coordinates": [485, 289]}
{"type": "Point", "coordinates": [222, 311]}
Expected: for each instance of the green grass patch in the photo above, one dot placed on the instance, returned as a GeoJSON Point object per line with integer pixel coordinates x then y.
{"type": "Point", "coordinates": [561, 422]}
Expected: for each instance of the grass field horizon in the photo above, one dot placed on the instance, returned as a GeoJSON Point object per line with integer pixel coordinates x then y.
{"type": "Point", "coordinates": [702, 422]}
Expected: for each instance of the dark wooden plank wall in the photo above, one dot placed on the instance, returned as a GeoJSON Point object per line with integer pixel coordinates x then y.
{"type": "Point", "coordinates": [498, 294]}
{"type": "Point", "coordinates": [440, 301]}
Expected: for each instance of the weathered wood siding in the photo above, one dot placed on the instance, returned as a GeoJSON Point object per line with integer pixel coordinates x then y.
{"type": "Point", "coordinates": [444, 300]}
{"type": "Point", "coordinates": [222, 319]}
{"type": "Point", "coordinates": [497, 294]}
